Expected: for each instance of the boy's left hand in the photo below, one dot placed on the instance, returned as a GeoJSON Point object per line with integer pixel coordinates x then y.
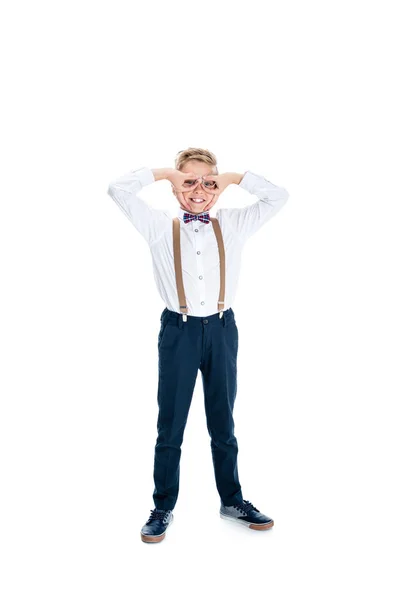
{"type": "Point", "coordinates": [222, 181]}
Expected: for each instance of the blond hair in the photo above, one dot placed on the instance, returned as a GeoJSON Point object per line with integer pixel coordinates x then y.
{"type": "Point", "coordinates": [200, 154]}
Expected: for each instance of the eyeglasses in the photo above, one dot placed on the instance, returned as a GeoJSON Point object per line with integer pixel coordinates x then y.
{"type": "Point", "coordinates": [207, 185]}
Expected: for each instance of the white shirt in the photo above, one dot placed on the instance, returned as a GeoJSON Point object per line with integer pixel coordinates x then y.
{"type": "Point", "coordinates": [199, 249]}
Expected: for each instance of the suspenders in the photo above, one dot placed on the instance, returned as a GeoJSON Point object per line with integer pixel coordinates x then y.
{"type": "Point", "coordinates": [176, 234]}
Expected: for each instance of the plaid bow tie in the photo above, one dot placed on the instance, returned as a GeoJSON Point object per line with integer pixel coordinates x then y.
{"type": "Point", "coordinates": [204, 218]}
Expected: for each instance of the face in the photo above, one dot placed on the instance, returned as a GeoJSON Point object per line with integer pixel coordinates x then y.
{"type": "Point", "coordinates": [197, 193]}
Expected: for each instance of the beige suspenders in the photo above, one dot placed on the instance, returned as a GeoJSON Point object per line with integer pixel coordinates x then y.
{"type": "Point", "coordinates": [176, 231]}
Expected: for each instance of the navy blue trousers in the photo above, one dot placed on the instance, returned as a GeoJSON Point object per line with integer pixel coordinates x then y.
{"type": "Point", "coordinates": [211, 345]}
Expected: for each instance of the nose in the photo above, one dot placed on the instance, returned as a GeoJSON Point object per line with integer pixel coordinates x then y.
{"type": "Point", "coordinates": [199, 182]}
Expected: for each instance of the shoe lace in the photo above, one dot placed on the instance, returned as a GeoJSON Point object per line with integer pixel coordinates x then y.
{"type": "Point", "coordinates": [157, 513]}
{"type": "Point", "coordinates": [246, 506]}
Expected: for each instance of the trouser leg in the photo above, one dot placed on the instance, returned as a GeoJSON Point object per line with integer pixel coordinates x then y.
{"type": "Point", "coordinates": [179, 351]}
{"type": "Point", "coordinates": [219, 375]}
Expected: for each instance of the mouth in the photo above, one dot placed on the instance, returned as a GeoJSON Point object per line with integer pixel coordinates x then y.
{"type": "Point", "coordinates": [197, 200]}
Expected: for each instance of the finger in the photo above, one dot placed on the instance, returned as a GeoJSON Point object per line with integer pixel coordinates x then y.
{"type": "Point", "coordinates": [185, 188]}
{"type": "Point", "coordinates": [212, 202]}
{"type": "Point", "coordinates": [208, 206]}
{"type": "Point", "coordinates": [213, 178]}
{"type": "Point", "coordinates": [189, 176]}
{"type": "Point", "coordinates": [183, 201]}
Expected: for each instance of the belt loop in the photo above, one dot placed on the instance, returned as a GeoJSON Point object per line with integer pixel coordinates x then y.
{"type": "Point", "coordinates": [223, 319]}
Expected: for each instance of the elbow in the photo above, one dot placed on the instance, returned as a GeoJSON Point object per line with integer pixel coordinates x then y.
{"type": "Point", "coordinates": [111, 189]}
{"type": "Point", "coordinates": [284, 196]}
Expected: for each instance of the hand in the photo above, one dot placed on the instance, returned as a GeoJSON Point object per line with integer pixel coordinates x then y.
{"type": "Point", "coordinates": [222, 181]}
{"type": "Point", "coordinates": [177, 178]}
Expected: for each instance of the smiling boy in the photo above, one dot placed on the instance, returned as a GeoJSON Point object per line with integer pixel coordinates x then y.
{"type": "Point", "coordinates": [196, 264]}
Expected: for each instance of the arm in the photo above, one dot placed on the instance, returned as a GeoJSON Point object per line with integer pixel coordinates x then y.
{"type": "Point", "coordinates": [149, 221]}
{"type": "Point", "coordinates": [246, 221]}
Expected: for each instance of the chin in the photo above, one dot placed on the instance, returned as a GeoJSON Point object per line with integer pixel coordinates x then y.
{"type": "Point", "coordinates": [197, 208]}
{"type": "Point", "coordinates": [192, 209]}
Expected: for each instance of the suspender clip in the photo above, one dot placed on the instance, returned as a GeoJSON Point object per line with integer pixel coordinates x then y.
{"type": "Point", "coordinates": [184, 316]}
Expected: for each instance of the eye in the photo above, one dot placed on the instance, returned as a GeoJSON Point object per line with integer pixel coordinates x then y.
{"type": "Point", "coordinates": [210, 184]}
{"type": "Point", "coordinates": [189, 182]}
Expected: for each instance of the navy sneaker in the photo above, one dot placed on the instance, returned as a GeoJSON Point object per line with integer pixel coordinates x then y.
{"type": "Point", "coordinates": [246, 514]}
{"type": "Point", "coordinates": [156, 525]}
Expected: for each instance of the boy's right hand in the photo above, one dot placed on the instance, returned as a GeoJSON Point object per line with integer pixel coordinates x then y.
{"type": "Point", "coordinates": [177, 178]}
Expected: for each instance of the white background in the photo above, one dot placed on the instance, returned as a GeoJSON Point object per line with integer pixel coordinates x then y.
{"type": "Point", "coordinates": [304, 93]}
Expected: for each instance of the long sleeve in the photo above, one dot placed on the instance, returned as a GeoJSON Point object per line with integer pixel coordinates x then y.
{"type": "Point", "coordinates": [246, 221]}
{"type": "Point", "coordinates": [150, 222]}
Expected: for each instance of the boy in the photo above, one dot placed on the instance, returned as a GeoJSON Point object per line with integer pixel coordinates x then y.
{"type": "Point", "coordinates": [194, 256]}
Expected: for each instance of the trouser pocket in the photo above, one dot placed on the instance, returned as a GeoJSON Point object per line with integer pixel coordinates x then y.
{"type": "Point", "coordinates": [162, 333]}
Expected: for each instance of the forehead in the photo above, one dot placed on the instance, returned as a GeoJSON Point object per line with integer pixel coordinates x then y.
{"type": "Point", "coordinates": [198, 167]}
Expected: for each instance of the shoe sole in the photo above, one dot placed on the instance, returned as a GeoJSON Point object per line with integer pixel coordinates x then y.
{"type": "Point", "coordinates": [156, 538]}
{"type": "Point", "coordinates": [258, 526]}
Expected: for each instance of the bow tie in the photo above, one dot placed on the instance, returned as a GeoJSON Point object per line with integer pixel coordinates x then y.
{"type": "Point", "coordinates": [204, 218]}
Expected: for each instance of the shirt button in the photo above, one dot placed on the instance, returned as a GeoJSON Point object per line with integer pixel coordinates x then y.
{"type": "Point", "coordinates": [205, 321]}
{"type": "Point", "coordinates": [198, 252]}
{"type": "Point", "coordinates": [202, 302]}
{"type": "Point", "coordinates": [200, 276]}
{"type": "Point", "coordinates": [196, 229]}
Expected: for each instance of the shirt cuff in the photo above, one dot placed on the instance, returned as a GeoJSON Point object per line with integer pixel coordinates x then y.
{"type": "Point", "coordinates": [250, 181]}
